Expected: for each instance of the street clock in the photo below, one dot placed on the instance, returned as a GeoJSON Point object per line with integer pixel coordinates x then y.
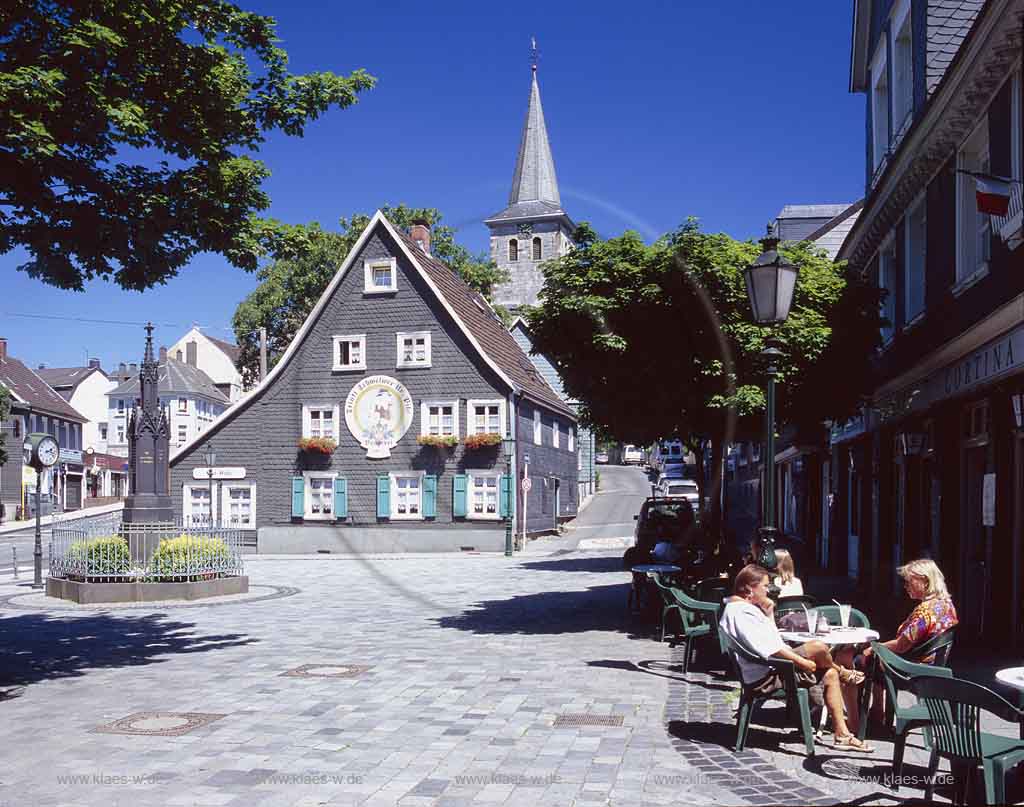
{"type": "Point", "coordinates": [41, 450]}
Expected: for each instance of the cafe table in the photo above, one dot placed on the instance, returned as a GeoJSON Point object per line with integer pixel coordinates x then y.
{"type": "Point", "coordinates": [648, 569]}
{"type": "Point", "coordinates": [836, 636]}
{"type": "Point", "coordinates": [1014, 677]}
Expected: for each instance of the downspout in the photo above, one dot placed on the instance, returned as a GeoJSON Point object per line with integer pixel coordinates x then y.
{"type": "Point", "coordinates": [513, 427]}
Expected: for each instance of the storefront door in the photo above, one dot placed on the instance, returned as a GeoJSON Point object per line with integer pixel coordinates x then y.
{"type": "Point", "coordinates": [975, 577]}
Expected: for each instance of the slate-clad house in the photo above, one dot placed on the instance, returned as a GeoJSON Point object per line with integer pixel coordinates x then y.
{"type": "Point", "coordinates": [397, 350]}
{"type": "Point", "coordinates": [936, 466]}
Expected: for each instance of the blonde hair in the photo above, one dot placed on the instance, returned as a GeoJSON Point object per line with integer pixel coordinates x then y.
{"type": "Point", "coordinates": [927, 569]}
{"type": "Point", "coordinates": [784, 565]}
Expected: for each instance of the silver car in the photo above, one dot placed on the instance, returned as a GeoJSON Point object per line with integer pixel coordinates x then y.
{"type": "Point", "coordinates": [680, 489]}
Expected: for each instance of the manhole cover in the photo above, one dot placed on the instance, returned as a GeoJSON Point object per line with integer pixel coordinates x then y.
{"type": "Point", "coordinates": [568, 721]}
{"type": "Point", "coordinates": [327, 671]}
{"type": "Point", "coordinates": [159, 724]}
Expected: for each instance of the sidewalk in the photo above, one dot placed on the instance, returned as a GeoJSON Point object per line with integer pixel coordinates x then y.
{"type": "Point", "coordinates": [73, 515]}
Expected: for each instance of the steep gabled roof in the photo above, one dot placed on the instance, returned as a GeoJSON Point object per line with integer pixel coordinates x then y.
{"type": "Point", "coordinates": [28, 388]}
{"type": "Point", "coordinates": [67, 379]}
{"type": "Point", "coordinates": [470, 311]}
{"type": "Point", "coordinates": [228, 349]}
{"type": "Point", "coordinates": [174, 376]}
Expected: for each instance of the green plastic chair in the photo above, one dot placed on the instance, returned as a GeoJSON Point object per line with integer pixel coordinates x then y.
{"type": "Point", "coordinates": [941, 645]}
{"type": "Point", "coordinates": [955, 708]}
{"type": "Point", "coordinates": [711, 613]}
{"type": "Point", "coordinates": [796, 697]}
{"type": "Point", "coordinates": [898, 673]}
{"type": "Point", "coordinates": [673, 601]}
{"type": "Point", "coordinates": [794, 602]}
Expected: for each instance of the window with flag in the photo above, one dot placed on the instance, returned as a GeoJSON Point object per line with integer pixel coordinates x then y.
{"type": "Point", "coordinates": [238, 507]}
{"type": "Point", "coordinates": [886, 282]}
{"type": "Point", "coordinates": [319, 496]}
{"type": "Point", "coordinates": [976, 194]}
{"type": "Point", "coordinates": [484, 495]}
{"type": "Point", "coordinates": [486, 417]}
{"type": "Point", "coordinates": [439, 418]}
{"type": "Point", "coordinates": [350, 352]}
{"type": "Point", "coordinates": [413, 349]}
{"type": "Point", "coordinates": [916, 245]}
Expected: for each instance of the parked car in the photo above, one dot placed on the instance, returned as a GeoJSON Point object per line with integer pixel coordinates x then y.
{"type": "Point", "coordinates": [660, 519]}
{"type": "Point", "coordinates": [631, 455]}
{"type": "Point", "coordinates": [601, 458]}
{"type": "Point", "coordinates": [681, 489]}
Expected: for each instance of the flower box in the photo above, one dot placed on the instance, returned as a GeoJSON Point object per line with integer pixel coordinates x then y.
{"type": "Point", "coordinates": [317, 445]}
{"type": "Point", "coordinates": [482, 440]}
{"type": "Point", "coordinates": [438, 441]}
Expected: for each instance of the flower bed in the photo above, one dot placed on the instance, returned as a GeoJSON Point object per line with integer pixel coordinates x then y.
{"type": "Point", "coordinates": [483, 440]}
{"type": "Point", "coordinates": [318, 445]}
{"type": "Point", "coordinates": [189, 557]}
{"type": "Point", "coordinates": [103, 558]}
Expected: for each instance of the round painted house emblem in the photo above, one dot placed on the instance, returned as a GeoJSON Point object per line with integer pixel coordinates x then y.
{"type": "Point", "coordinates": [378, 412]}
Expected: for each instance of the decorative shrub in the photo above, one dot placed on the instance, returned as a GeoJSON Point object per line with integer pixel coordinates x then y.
{"type": "Point", "coordinates": [190, 555]}
{"type": "Point", "coordinates": [482, 440]}
{"type": "Point", "coordinates": [102, 556]}
{"type": "Point", "coordinates": [319, 445]}
{"type": "Point", "coordinates": [438, 441]}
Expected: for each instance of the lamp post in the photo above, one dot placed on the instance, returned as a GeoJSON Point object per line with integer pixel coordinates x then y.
{"type": "Point", "coordinates": [210, 456]}
{"type": "Point", "coordinates": [771, 280]}
{"type": "Point", "coordinates": [509, 446]}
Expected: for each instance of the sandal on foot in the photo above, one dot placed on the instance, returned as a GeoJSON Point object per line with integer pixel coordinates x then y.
{"type": "Point", "coordinates": [852, 743]}
{"type": "Point", "coordinates": [848, 676]}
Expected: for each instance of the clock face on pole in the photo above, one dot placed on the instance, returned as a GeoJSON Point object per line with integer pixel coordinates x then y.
{"type": "Point", "coordinates": [48, 451]}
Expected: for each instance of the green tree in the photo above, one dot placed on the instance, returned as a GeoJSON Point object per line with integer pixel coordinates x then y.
{"type": "Point", "coordinates": [5, 413]}
{"type": "Point", "coordinates": [657, 340]}
{"type": "Point", "coordinates": [125, 130]}
{"type": "Point", "coordinates": [290, 287]}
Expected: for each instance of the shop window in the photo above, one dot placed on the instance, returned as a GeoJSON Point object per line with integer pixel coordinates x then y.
{"type": "Point", "coordinates": [976, 422]}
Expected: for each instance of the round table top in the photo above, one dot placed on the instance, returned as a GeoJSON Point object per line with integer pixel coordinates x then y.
{"type": "Point", "coordinates": [1014, 676]}
{"type": "Point", "coordinates": [835, 636]}
{"type": "Point", "coordinates": [656, 568]}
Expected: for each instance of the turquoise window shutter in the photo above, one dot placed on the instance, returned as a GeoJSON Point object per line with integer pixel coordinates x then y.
{"type": "Point", "coordinates": [298, 496]}
{"type": "Point", "coordinates": [459, 495]}
{"type": "Point", "coordinates": [383, 497]}
{"type": "Point", "coordinates": [506, 495]}
{"type": "Point", "coordinates": [430, 497]}
{"type": "Point", "coordinates": [340, 497]}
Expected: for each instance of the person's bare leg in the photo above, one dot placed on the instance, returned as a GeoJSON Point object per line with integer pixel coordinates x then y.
{"type": "Point", "coordinates": [851, 696]}
{"type": "Point", "coordinates": [819, 653]}
{"type": "Point", "coordinates": [834, 702]}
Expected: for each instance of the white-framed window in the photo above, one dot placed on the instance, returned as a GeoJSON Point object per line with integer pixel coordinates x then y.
{"type": "Point", "coordinates": [439, 418]}
{"type": "Point", "coordinates": [182, 432]}
{"type": "Point", "coordinates": [183, 405]}
{"type": "Point", "coordinates": [538, 249]}
{"type": "Point", "coordinates": [320, 420]}
{"type": "Point", "coordinates": [886, 281]}
{"type": "Point", "coordinates": [485, 417]}
{"type": "Point", "coordinates": [238, 505]}
{"type": "Point", "coordinates": [572, 438]}
{"type": "Point", "coordinates": [973, 229]}
{"type": "Point", "coordinates": [349, 352]}
{"type": "Point", "coordinates": [196, 505]}
{"type": "Point", "coordinates": [902, 70]}
{"type": "Point", "coordinates": [914, 260]}
{"type": "Point", "coordinates": [513, 250]}
{"type": "Point", "coordinates": [879, 106]}
{"type": "Point", "coordinates": [120, 434]}
{"type": "Point", "coordinates": [380, 276]}
{"type": "Point", "coordinates": [538, 432]}
{"type": "Point", "coordinates": [319, 496]}
{"type": "Point", "coordinates": [556, 436]}
{"type": "Point", "coordinates": [407, 496]}
{"type": "Point", "coordinates": [103, 431]}
{"type": "Point", "coordinates": [120, 407]}
{"type": "Point", "coordinates": [484, 495]}
{"type": "Point", "coordinates": [413, 349]}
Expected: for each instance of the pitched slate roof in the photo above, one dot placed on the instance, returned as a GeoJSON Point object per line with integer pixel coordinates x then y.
{"type": "Point", "coordinates": [949, 22]}
{"type": "Point", "coordinates": [229, 350]}
{"type": "Point", "coordinates": [174, 376]}
{"type": "Point", "coordinates": [28, 388]}
{"type": "Point", "coordinates": [483, 324]}
{"type": "Point", "coordinates": [66, 379]}
{"type": "Point", "coordinates": [831, 235]}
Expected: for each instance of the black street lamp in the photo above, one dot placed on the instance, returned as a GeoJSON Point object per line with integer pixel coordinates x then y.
{"type": "Point", "coordinates": [771, 280]}
{"type": "Point", "coordinates": [509, 447]}
{"type": "Point", "coordinates": [210, 456]}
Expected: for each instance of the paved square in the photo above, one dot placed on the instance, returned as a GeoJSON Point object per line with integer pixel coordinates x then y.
{"type": "Point", "coordinates": [428, 680]}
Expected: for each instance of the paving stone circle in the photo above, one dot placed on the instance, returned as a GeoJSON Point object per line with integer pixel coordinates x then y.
{"type": "Point", "coordinates": [38, 601]}
{"type": "Point", "coordinates": [159, 724]}
{"type": "Point", "coordinates": [328, 671]}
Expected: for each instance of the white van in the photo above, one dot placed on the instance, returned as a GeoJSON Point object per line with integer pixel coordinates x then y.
{"type": "Point", "coordinates": [631, 455]}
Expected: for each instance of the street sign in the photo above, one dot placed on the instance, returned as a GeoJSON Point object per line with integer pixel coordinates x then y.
{"type": "Point", "coordinates": [527, 484]}
{"type": "Point", "coordinates": [219, 473]}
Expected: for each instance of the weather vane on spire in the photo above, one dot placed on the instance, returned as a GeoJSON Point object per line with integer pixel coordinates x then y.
{"type": "Point", "coordinates": [534, 53]}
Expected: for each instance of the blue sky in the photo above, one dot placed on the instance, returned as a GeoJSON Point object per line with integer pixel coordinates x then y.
{"type": "Point", "coordinates": [655, 110]}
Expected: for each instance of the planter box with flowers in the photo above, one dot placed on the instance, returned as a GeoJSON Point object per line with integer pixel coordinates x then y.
{"type": "Point", "coordinates": [482, 440]}
{"type": "Point", "coordinates": [317, 445]}
{"type": "Point", "coordinates": [437, 441]}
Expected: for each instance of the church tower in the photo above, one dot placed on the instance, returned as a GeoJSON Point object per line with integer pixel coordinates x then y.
{"type": "Point", "coordinates": [533, 228]}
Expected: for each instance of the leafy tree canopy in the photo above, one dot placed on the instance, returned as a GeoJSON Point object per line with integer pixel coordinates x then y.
{"type": "Point", "coordinates": [124, 129]}
{"type": "Point", "coordinates": [290, 287]}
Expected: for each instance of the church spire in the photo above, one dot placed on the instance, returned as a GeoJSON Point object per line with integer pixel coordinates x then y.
{"type": "Point", "coordinates": [534, 178]}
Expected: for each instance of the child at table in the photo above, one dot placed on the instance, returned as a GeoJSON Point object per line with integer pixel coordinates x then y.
{"type": "Point", "coordinates": [787, 581]}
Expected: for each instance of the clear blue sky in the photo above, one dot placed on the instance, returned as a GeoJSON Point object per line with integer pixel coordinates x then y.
{"type": "Point", "coordinates": [655, 110]}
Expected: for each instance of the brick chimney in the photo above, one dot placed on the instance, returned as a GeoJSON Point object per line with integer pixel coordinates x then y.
{"type": "Point", "coordinates": [3, 347]}
{"type": "Point", "coordinates": [133, 368]}
{"type": "Point", "coordinates": [191, 349]}
{"type": "Point", "coordinates": [163, 354]}
{"type": "Point", "coordinates": [95, 363]}
{"type": "Point", "coordinates": [122, 368]}
{"type": "Point", "coordinates": [420, 233]}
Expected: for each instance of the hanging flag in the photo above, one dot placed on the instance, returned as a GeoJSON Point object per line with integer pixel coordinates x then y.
{"type": "Point", "coordinates": [993, 195]}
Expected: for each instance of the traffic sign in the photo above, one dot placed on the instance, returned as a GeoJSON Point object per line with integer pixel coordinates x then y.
{"type": "Point", "coordinates": [527, 484]}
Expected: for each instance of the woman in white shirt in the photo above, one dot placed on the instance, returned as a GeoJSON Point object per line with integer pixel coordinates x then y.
{"type": "Point", "coordinates": [787, 581]}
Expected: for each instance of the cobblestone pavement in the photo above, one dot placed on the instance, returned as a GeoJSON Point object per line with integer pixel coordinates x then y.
{"type": "Point", "coordinates": [427, 680]}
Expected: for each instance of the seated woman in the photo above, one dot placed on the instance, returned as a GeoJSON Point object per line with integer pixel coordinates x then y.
{"type": "Point", "coordinates": [787, 581]}
{"type": "Point", "coordinates": [934, 614]}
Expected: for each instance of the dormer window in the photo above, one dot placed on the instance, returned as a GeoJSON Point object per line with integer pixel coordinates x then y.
{"type": "Point", "coordinates": [380, 276]}
{"type": "Point", "coordinates": [536, 248]}
{"type": "Point", "coordinates": [513, 250]}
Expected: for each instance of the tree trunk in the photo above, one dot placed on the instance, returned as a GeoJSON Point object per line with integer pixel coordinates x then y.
{"type": "Point", "coordinates": [717, 479]}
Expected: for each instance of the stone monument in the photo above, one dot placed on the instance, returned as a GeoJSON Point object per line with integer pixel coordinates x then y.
{"type": "Point", "coordinates": [149, 501]}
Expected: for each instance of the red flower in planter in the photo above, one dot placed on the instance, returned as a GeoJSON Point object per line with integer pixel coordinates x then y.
{"type": "Point", "coordinates": [482, 440]}
{"type": "Point", "coordinates": [319, 445]}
